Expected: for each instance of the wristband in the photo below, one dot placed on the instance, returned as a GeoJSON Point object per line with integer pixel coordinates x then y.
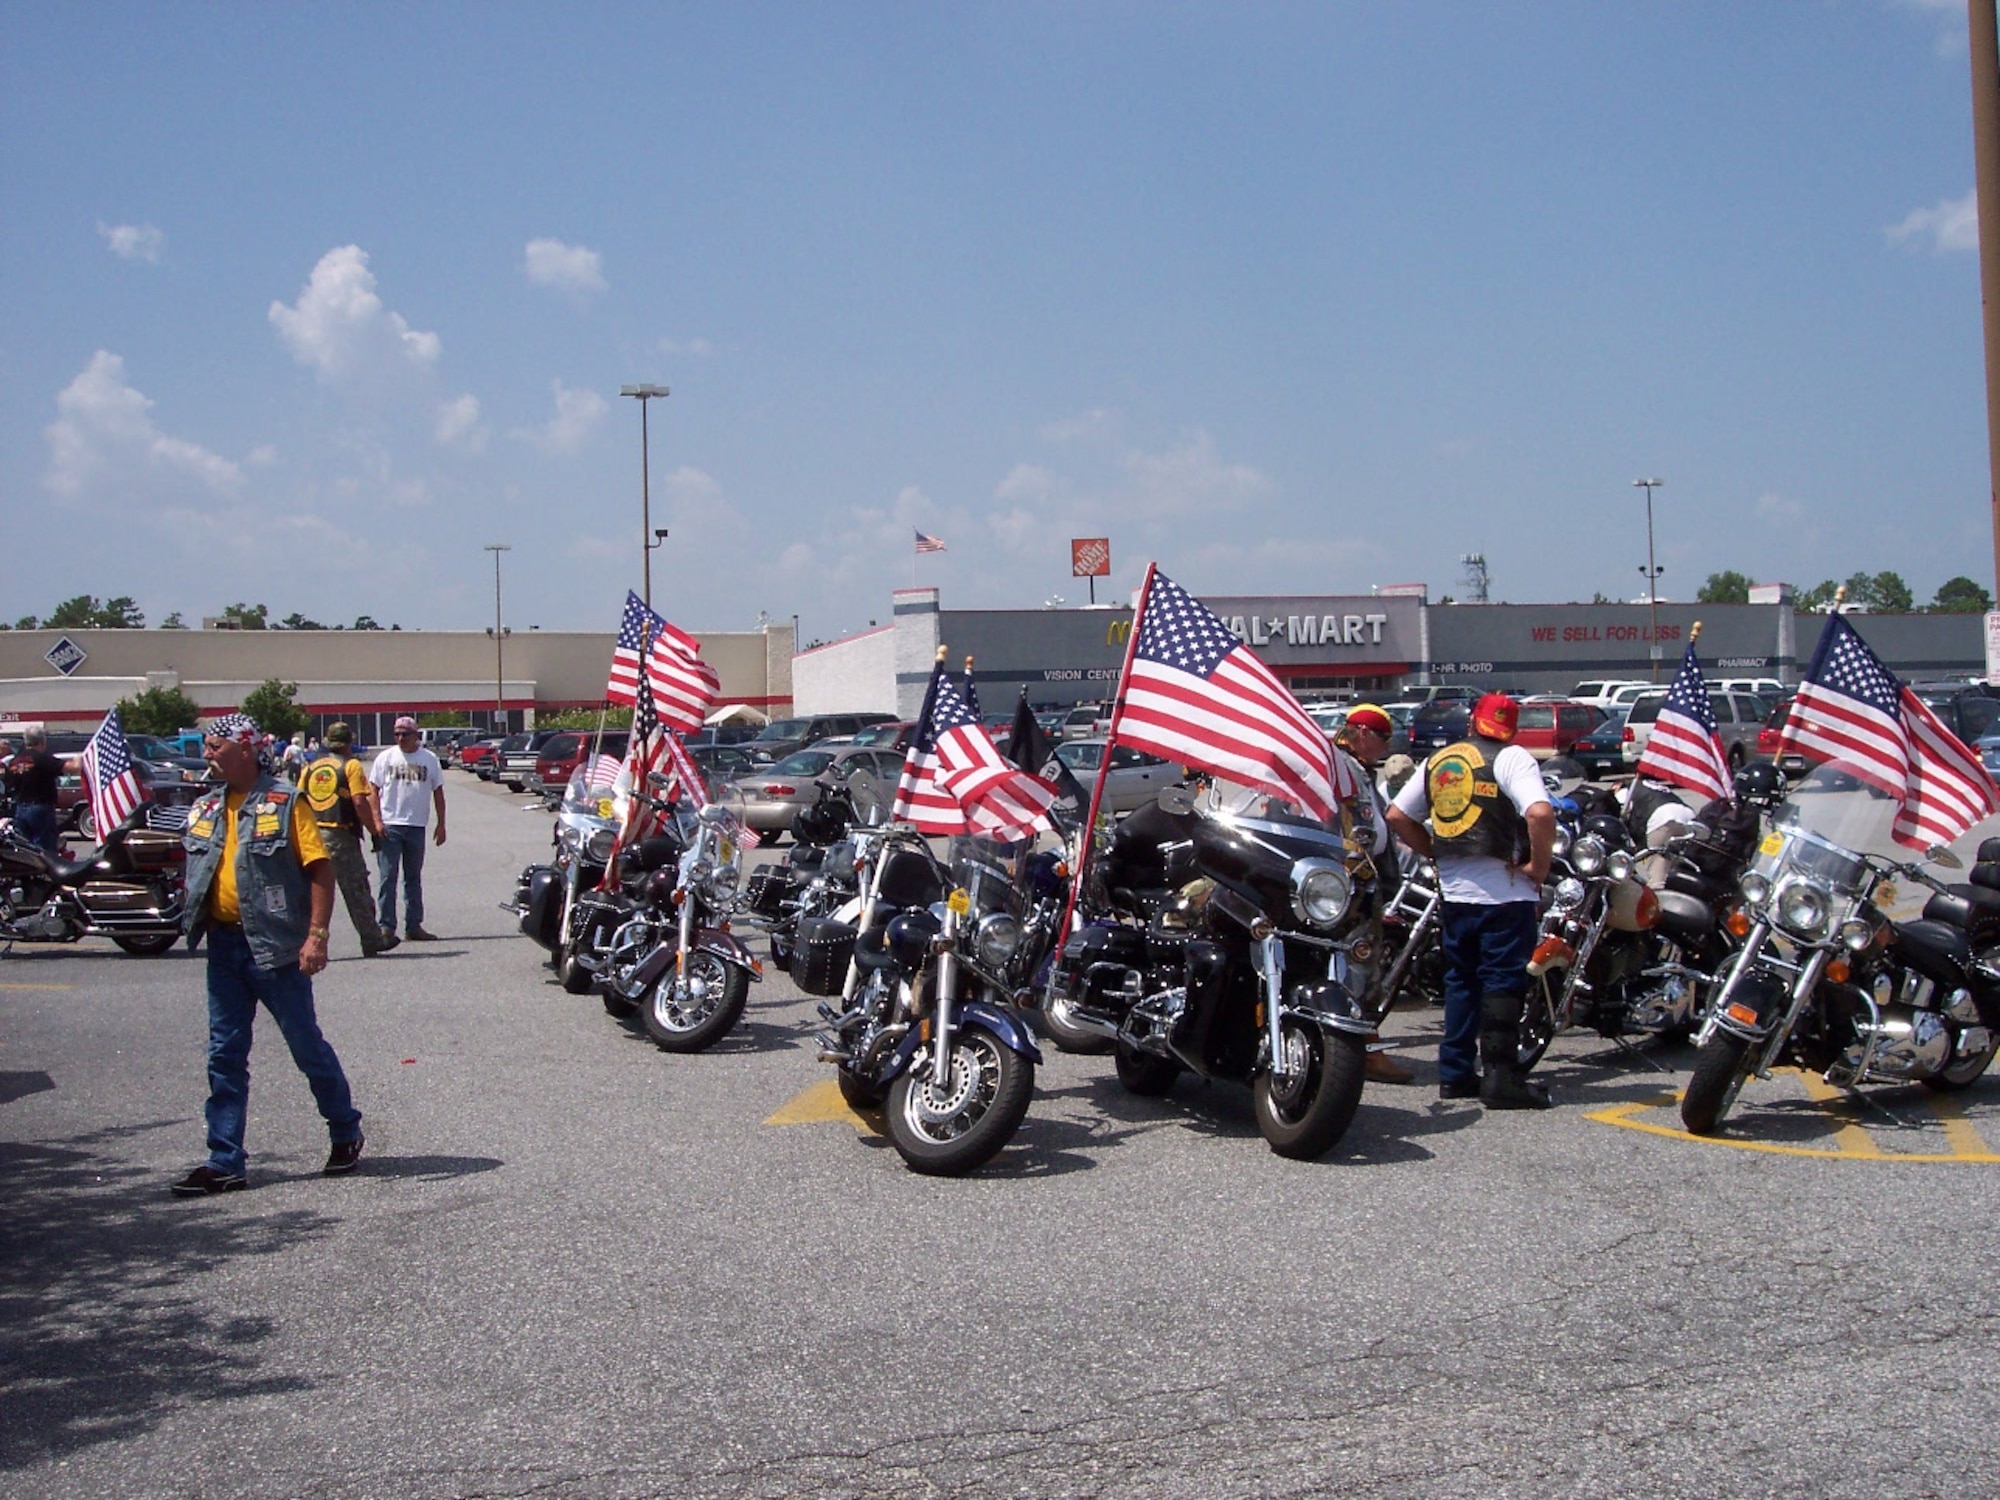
{"type": "Point", "coordinates": [318, 932]}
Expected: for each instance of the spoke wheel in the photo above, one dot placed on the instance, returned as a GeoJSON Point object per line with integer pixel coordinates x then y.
{"type": "Point", "coordinates": [146, 947]}
{"type": "Point", "coordinates": [1963, 1072]}
{"type": "Point", "coordinates": [1306, 1112]}
{"type": "Point", "coordinates": [945, 1127]}
{"type": "Point", "coordinates": [695, 1009]}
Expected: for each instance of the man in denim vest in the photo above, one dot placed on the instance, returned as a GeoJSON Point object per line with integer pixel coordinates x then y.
{"type": "Point", "coordinates": [260, 889]}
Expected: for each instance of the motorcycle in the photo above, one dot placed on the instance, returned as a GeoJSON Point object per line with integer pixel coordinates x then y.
{"type": "Point", "coordinates": [819, 874]}
{"type": "Point", "coordinates": [133, 890]}
{"type": "Point", "coordinates": [547, 897]}
{"type": "Point", "coordinates": [1828, 980]}
{"type": "Point", "coordinates": [929, 969]}
{"type": "Point", "coordinates": [1248, 956]}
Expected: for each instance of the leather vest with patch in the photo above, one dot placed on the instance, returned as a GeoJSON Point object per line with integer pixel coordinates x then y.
{"type": "Point", "coordinates": [273, 892]}
{"type": "Point", "coordinates": [1470, 814]}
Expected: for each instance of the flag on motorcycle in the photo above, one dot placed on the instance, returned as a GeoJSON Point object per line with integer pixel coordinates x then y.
{"type": "Point", "coordinates": [1029, 748]}
{"type": "Point", "coordinates": [1685, 747]}
{"type": "Point", "coordinates": [1194, 693]}
{"type": "Point", "coordinates": [1854, 713]}
{"type": "Point", "coordinates": [108, 776]}
{"type": "Point", "coordinates": [601, 775]}
{"type": "Point", "coordinates": [684, 686]}
{"type": "Point", "coordinates": [956, 781]}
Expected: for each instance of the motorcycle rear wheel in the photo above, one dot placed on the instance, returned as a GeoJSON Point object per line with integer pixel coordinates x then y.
{"type": "Point", "coordinates": [1066, 1034]}
{"type": "Point", "coordinates": [1303, 1118]}
{"type": "Point", "coordinates": [1719, 1070]}
{"type": "Point", "coordinates": [943, 1131]}
{"type": "Point", "coordinates": [146, 947]}
{"type": "Point", "coordinates": [697, 1014]}
{"type": "Point", "coordinates": [1965, 1071]}
{"type": "Point", "coordinates": [1144, 1074]}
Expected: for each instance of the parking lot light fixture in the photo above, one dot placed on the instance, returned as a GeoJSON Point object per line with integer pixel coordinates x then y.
{"type": "Point", "coordinates": [644, 394]}
{"type": "Point", "coordinates": [1652, 572]}
{"type": "Point", "coordinates": [499, 649]}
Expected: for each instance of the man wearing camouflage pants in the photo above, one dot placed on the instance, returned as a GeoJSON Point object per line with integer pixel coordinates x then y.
{"type": "Point", "coordinates": [343, 804]}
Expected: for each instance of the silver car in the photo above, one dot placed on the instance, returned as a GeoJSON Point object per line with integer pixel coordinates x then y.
{"type": "Point", "coordinates": [1136, 777]}
{"type": "Point", "coordinates": [773, 795]}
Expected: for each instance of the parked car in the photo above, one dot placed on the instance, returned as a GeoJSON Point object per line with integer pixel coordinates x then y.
{"type": "Point", "coordinates": [1968, 710]}
{"type": "Point", "coordinates": [720, 734]}
{"type": "Point", "coordinates": [1450, 692]}
{"type": "Point", "coordinates": [720, 763]}
{"type": "Point", "coordinates": [781, 737]}
{"type": "Point", "coordinates": [1549, 728]}
{"type": "Point", "coordinates": [891, 734]}
{"type": "Point", "coordinates": [1136, 778]}
{"type": "Point", "coordinates": [1438, 723]}
{"type": "Point", "coordinates": [1738, 718]}
{"type": "Point", "coordinates": [478, 753]}
{"type": "Point", "coordinates": [516, 768]}
{"type": "Point", "coordinates": [1603, 692]}
{"type": "Point", "coordinates": [161, 784]}
{"type": "Point", "coordinates": [774, 794]}
{"type": "Point", "coordinates": [563, 753]}
{"type": "Point", "coordinates": [1085, 720]}
{"type": "Point", "coordinates": [1602, 751]}
{"type": "Point", "coordinates": [1767, 688]}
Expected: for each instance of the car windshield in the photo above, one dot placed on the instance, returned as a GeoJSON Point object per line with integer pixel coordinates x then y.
{"type": "Point", "coordinates": [562, 747]}
{"type": "Point", "coordinates": [782, 729]}
{"type": "Point", "coordinates": [1080, 755]}
{"type": "Point", "coordinates": [803, 763]}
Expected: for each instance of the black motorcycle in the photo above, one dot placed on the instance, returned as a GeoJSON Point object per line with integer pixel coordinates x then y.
{"type": "Point", "coordinates": [133, 890]}
{"type": "Point", "coordinates": [818, 875]}
{"type": "Point", "coordinates": [548, 898]}
{"type": "Point", "coordinates": [1235, 947]}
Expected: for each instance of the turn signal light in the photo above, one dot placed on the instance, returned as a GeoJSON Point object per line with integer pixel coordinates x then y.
{"type": "Point", "coordinates": [1742, 1013]}
{"type": "Point", "coordinates": [1838, 971]}
{"type": "Point", "coordinates": [1738, 922]}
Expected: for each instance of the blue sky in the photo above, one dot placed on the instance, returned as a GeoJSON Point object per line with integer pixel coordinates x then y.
{"type": "Point", "coordinates": [303, 305]}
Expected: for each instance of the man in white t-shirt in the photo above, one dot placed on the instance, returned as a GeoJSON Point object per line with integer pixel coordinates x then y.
{"type": "Point", "coordinates": [1480, 809]}
{"type": "Point", "coordinates": [409, 783]}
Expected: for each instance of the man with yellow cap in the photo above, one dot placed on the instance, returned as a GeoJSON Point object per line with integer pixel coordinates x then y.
{"type": "Point", "coordinates": [1480, 809]}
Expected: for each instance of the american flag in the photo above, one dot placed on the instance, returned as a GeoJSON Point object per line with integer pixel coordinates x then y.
{"type": "Point", "coordinates": [954, 779]}
{"type": "Point", "coordinates": [929, 543]}
{"type": "Point", "coordinates": [601, 775]}
{"type": "Point", "coordinates": [627, 654]}
{"type": "Point", "coordinates": [1194, 693]}
{"type": "Point", "coordinates": [1856, 714]}
{"type": "Point", "coordinates": [107, 774]}
{"type": "Point", "coordinates": [1684, 747]}
{"type": "Point", "coordinates": [684, 686]}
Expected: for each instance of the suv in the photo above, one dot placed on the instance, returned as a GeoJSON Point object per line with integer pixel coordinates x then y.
{"type": "Point", "coordinates": [1738, 717]}
{"type": "Point", "coordinates": [516, 759]}
{"type": "Point", "coordinates": [1441, 722]}
{"type": "Point", "coordinates": [1446, 693]}
{"type": "Point", "coordinates": [560, 757]}
{"type": "Point", "coordinates": [1608, 692]}
{"type": "Point", "coordinates": [1549, 727]}
{"type": "Point", "coordinates": [1968, 709]}
{"type": "Point", "coordinates": [781, 737]}
{"type": "Point", "coordinates": [1083, 721]}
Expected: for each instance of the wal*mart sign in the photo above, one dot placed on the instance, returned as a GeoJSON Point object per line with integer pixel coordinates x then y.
{"type": "Point", "coordinates": [1090, 557]}
{"type": "Point", "coordinates": [65, 656]}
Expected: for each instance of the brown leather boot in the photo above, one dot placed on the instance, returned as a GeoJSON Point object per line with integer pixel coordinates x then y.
{"type": "Point", "coordinates": [1382, 1068]}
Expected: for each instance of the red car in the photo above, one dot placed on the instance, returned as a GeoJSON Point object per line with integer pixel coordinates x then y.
{"type": "Point", "coordinates": [471, 756]}
{"type": "Point", "coordinates": [1550, 726]}
{"type": "Point", "coordinates": [558, 760]}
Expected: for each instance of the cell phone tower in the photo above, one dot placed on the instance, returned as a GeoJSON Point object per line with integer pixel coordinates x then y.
{"type": "Point", "coordinates": [1475, 577]}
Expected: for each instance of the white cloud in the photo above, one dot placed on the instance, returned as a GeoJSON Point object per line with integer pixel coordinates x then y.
{"type": "Point", "coordinates": [578, 415]}
{"type": "Point", "coordinates": [1952, 225]}
{"type": "Point", "coordinates": [133, 241]}
{"type": "Point", "coordinates": [1096, 423]}
{"type": "Point", "coordinates": [1192, 479]}
{"type": "Point", "coordinates": [458, 424]}
{"type": "Point", "coordinates": [340, 327]}
{"type": "Point", "coordinates": [567, 268]}
{"type": "Point", "coordinates": [104, 431]}
{"type": "Point", "coordinates": [700, 348]}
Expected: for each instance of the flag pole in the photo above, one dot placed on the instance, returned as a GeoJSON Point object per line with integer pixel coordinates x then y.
{"type": "Point", "coordinates": [1104, 761]}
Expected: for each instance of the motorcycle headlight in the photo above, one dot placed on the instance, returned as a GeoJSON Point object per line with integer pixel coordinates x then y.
{"type": "Point", "coordinates": [1568, 895]}
{"type": "Point", "coordinates": [1562, 840]}
{"type": "Point", "coordinates": [995, 939]}
{"type": "Point", "coordinates": [600, 846]}
{"type": "Point", "coordinates": [568, 839]}
{"type": "Point", "coordinates": [1321, 891]}
{"type": "Point", "coordinates": [1856, 934]}
{"type": "Point", "coordinates": [1756, 889]}
{"type": "Point", "coordinates": [721, 883]}
{"type": "Point", "coordinates": [1802, 908]}
{"type": "Point", "coordinates": [698, 872]}
{"type": "Point", "coordinates": [1587, 854]}
{"type": "Point", "coordinates": [1618, 865]}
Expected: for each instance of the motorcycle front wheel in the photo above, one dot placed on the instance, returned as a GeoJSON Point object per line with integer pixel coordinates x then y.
{"type": "Point", "coordinates": [147, 947]}
{"type": "Point", "coordinates": [1144, 1073]}
{"type": "Point", "coordinates": [943, 1128]}
{"type": "Point", "coordinates": [699, 1011]}
{"type": "Point", "coordinates": [1719, 1070]}
{"type": "Point", "coordinates": [576, 979]}
{"type": "Point", "coordinates": [1303, 1115]}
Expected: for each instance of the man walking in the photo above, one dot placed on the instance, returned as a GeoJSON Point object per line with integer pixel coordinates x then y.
{"type": "Point", "coordinates": [33, 777]}
{"type": "Point", "coordinates": [411, 784]}
{"type": "Point", "coordinates": [260, 889]}
{"type": "Point", "coordinates": [337, 790]}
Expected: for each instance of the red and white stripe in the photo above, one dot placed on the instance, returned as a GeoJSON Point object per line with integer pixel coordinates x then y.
{"type": "Point", "coordinates": [684, 686]}
{"type": "Point", "coordinates": [1687, 753]}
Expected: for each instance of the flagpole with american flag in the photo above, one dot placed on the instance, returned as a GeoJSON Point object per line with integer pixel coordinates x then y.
{"type": "Point", "coordinates": [925, 543]}
{"type": "Point", "coordinates": [113, 786]}
{"type": "Point", "coordinates": [1685, 747]}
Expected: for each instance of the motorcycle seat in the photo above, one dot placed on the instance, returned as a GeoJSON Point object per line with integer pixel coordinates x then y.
{"type": "Point", "coordinates": [1984, 874]}
{"type": "Point", "coordinates": [1935, 948]}
{"type": "Point", "coordinates": [871, 950]}
{"type": "Point", "coordinates": [67, 870]}
{"type": "Point", "coordinates": [1684, 916]}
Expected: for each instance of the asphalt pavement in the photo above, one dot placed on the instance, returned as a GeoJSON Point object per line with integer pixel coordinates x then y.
{"type": "Point", "coordinates": [571, 1265]}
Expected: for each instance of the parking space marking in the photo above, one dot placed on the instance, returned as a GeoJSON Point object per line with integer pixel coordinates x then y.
{"type": "Point", "coordinates": [37, 986]}
{"type": "Point", "coordinates": [819, 1104]}
{"type": "Point", "coordinates": [1852, 1142]}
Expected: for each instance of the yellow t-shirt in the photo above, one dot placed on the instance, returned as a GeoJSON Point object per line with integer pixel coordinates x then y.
{"type": "Point", "coordinates": [306, 845]}
{"type": "Point", "coordinates": [321, 786]}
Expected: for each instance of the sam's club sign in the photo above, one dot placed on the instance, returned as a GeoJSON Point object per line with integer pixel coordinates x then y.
{"type": "Point", "coordinates": [65, 656]}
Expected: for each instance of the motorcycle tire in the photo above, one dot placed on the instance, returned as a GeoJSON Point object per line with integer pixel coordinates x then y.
{"type": "Point", "coordinates": [1719, 1070]}
{"type": "Point", "coordinates": [618, 1007]}
{"type": "Point", "coordinates": [1144, 1074]}
{"type": "Point", "coordinates": [949, 1130]}
{"type": "Point", "coordinates": [861, 1096]}
{"type": "Point", "coordinates": [147, 947]}
{"type": "Point", "coordinates": [576, 979]}
{"type": "Point", "coordinates": [1303, 1119]}
{"type": "Point", "coordinates": [86, 822]}
{"type": "Point", "coordinates": [695, 1017]}
{"type": "Point", "coordinates": [1538, 1025]}
{"type": "Point", "coordinates": [1066, 1034]}
{"type": "Point", "coordinates": [1963, 1072]}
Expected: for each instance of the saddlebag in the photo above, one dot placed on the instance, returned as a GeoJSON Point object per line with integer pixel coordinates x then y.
{"type": "Point", "coordinates": [764, 893]}
{"type": "Point", "coordinates": [152, 851]}
{"type": "Point", "coordinates": [539, 894]}
{"type": "Point", "coordinates": [820, 959]}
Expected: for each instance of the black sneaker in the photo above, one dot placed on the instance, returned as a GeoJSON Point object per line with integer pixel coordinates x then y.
{"type": "Point", "coordinates": [343, 1158]}
{"type": "Point", "coordinates": [1459, 1088]}
{"type": "Point", "coordinates": [418, 935]}
{"type": "Point", "coordinates": [204, 1180]}
{"type": "Point", "coordinates": [389, 940]}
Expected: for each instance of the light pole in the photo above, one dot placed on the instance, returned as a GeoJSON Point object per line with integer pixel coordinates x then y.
{"type": "Point", "coordinates": [499, 649]}
{"type": "Point", "coordinates": [643, 394]}
{"type": "Point", "coordinates": [1652, 572]}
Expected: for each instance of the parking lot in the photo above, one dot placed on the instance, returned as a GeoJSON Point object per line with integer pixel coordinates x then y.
{"type": "Point", "coordinates": [571, 1265]}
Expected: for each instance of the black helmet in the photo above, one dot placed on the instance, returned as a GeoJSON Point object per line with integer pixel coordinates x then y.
{"type": "Point", "coordinates": [1761, 784]}
{"type": "Point", "coordinates": [818, 823]}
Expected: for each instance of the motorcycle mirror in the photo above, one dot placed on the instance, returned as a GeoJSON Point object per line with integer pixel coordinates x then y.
{"type": "Point", "coordinates": [713, 813]}
{"type": "Point", "coordinates": [1177, 800]}
{"type": "Point", "coordinates": [657, 778]}
{"type": "Point", "coordinates": [1942, 857]}
{"type": "Point", "coordinates": [1698, 830]}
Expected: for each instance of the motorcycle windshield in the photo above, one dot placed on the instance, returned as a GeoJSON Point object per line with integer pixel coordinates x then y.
{"type": "Point", "coordinates": [988, 871]}
{"type": "Point", "coordinates": [1830, 820]}
{"type": "Point", "coordinates": [590, 801]}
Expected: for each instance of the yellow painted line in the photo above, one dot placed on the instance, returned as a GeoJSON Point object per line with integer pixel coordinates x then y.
{"type": "Point", "coordinates": [1849, 1139]}
{"type": "Point", "coordinates": [1958, 1130]}
{"type": "Point", "coordinates": [821, 1104]}
{"type": "Point", "coordinates": [37, 986]}
{"type": "Point", "coordinates": [1623, 1116]}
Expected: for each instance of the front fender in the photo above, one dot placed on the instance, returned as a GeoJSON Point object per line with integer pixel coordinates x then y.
{"type": "Point", "coordinates": [1329, 1004]}
{"type": "Point", "coordinates": [1754, 1007]}
{"type": "Point", "coordinates": [729, 948]}
{"type": "Point", "coordinates": [1012, 1032]}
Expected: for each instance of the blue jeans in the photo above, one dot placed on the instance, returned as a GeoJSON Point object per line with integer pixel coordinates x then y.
{"type": "Point", "coordinates": [36, 822]}
{"type": "Point", "coordinates": [235, 985]}
{"type": "Point", "coordinates": [402, 847]}
{"type": "Point", "coordinates": [1486, 952]}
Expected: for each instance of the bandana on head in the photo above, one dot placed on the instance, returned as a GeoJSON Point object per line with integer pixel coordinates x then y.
{"type": "Point", "coordinates": [241, 729]}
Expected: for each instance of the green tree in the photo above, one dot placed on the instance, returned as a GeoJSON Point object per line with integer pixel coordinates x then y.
{"type": "Point", "coordinates": [584, 718]}
{"type": "Point", "coordinates": [1728, 587]}
{"type": "Point", "coordinates": [27, 622]}
{"type": "Point", "coordinates": [297, 621]}
{"type": "Point", "coordinates": [270, 704]}
{"type": "Point", "coordinates": [85, 613]}
{"type": "Point", "coordinates": [1961, 596]}
{"type": "Point", "coordinates": [1892, 596]}
{"type": "Point", "coordinates": [173, 622]}
{"type": "Point", "coordinates": [1818, 597]}
{"type": "Point", "coordinates": [246, 617]}
{"type": "Point", "coordinates": [158, 711]}
{"type": "Point", "coordinates": [365, 622]}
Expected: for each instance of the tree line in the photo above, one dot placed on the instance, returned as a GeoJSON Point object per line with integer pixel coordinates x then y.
{"type": "Point", "coordinates": [86, 612]}
{"type": "Point", "coordinates": [1880, 593]}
